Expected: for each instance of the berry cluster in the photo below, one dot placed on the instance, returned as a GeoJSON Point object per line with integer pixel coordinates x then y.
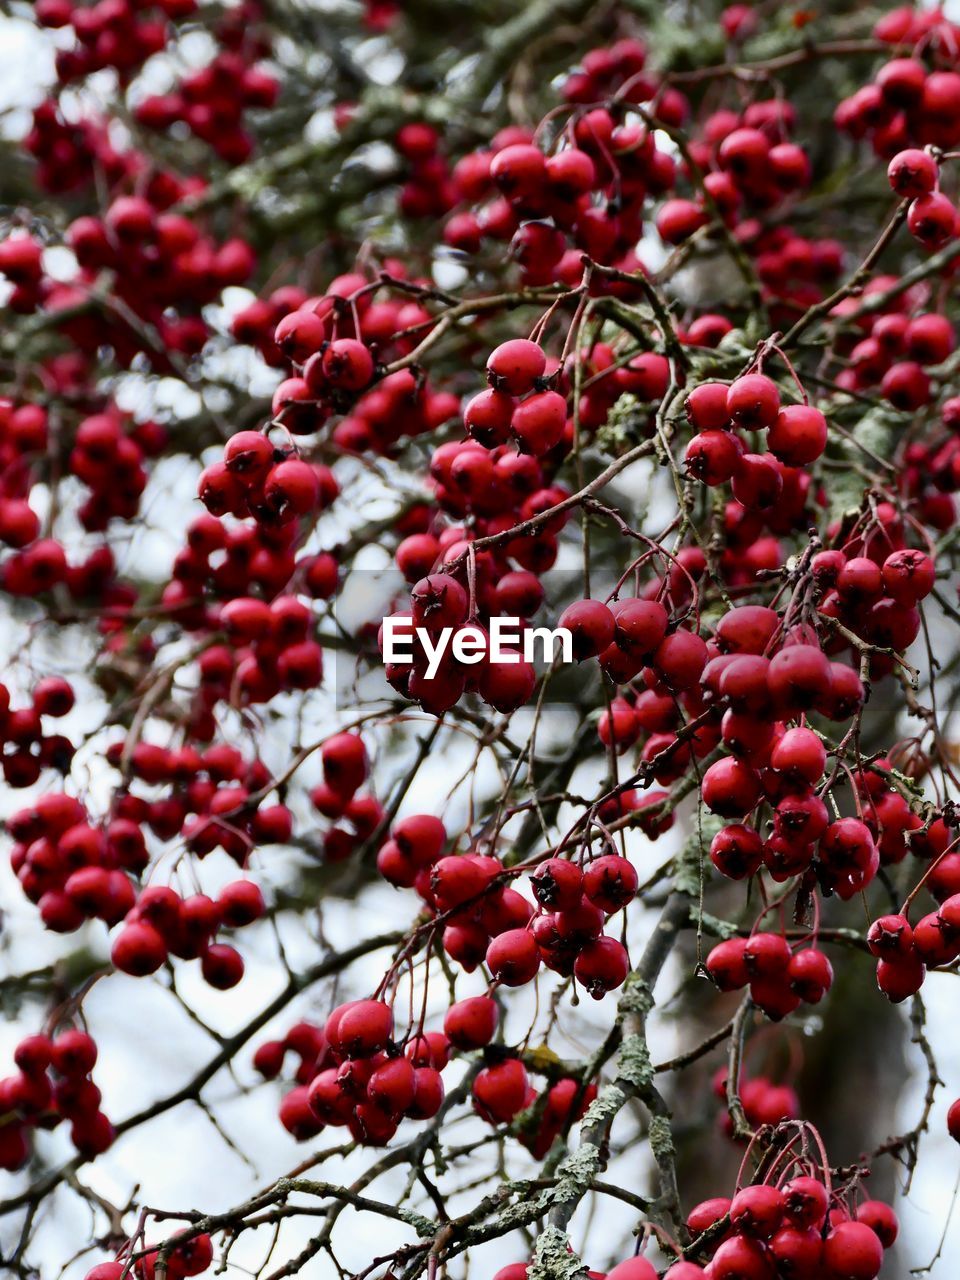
{"type": "Point", "coordinates": [191, 1257]}
{"type": "Point", "coordinates": [121, 34]}
{"type": "Point", "coordinates": [809, 452]}
{"type": "Point", "coordinates": [502, 1093]}
{"type": "Point", "coordinates": [795, 1227]}
{"type": "Point", "coordinates": [161, 923]}
{"type": "Point", "coordinates": [780, 979]}
{"type": "Point", "coordinates": [165, 271]}
{"type": "Point", "coordinates": [763, 1102]}
{"type": "Point", "coordinates": [906, 102]}
{"type": "Point", "coordinates": [223, 561]}
{"type": "Point", "coordinates": [212, 100]}
{"type": "Point", "coordinates": [53, 1083]}
{"type": "Point", "coordinates": [70, 152]}
{"type": "Point", "coordinates": [75, 871]}
{"type": "Point", "coordinates": [27, 746]}
{"type": "Point", "coordinates": [428, 191]}
{"type": "Point", "coordinates": [108, 455]}
{"type": "Point", "coordinates": [369, 1085]}
{"type": "Point", "coordinates": [586, 197]}
{"type": "Point", "coordinates": [745, 160]}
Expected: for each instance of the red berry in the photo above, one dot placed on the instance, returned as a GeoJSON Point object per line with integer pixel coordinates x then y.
{"type": "Point", "coordinates": [515, 366]}
{"type": "Point", "coordinates": [753, 401]}
{"type": "Point", "coordinates": [852, 1252]}
{"type": "Point", "coordinates": [471, 1023]}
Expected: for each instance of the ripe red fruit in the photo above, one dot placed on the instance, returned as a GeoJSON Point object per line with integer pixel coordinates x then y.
{"type": "Point", "coordinates": [348, 364]}
{"type": "Point", "coordinates": [421, 837]}
{"type": "Point", "coordinates": [798, 679]}
{"type": "Point", "coordinates": [344, 759]}
{"type": "Point", "coordinates": [890, 936]}
{"type": "Point", "coordinates": [487, 417]}
{"type": "Point", "coordinates": [248, 454]}
{"type": "Point", "coordinates": [680, 658]}
{"type": "Point", "coordinates": [744, 152]}
{"type": "Point", "coordinates": [744, 682]}
{"type": "Point", "coordinates": [953, 1120]}
{"type": "Point", "coordinates": [677, 220]}
{"type": "Point", "coordinates": [852, 1251]}
{"type": "Point", "coordinates": [810, 974]}
{"type": "Point", "coordinates": [591, 625]}
{"type": "Point", "coordinates": [557, 884]}
{"type": "Point", "coordinates": [932, 220]}
{"type": "Point", "coordinates": [846, 694]}
{"type": "Point", "coordinates": [33, 1054]}
{"type": "Point", "coordinates": [571, 172]}
{"type": "Point", "coordinates": [291, 489]}
{"type": "Point", "coordinates": [512, 1271]}
{"type": "Point", "coordinates": [900, 976]}
{"type": "Point", "coordinates": [712, 456]}
{"type": "Point", "coordinates": [471, 1023]}
{"type": "Point", "coordinates": [633, 1269]}
{"type": "Point", "coordinates": [610, 882]}
{"type": "Point", "coordinates": [363, 1029]}
{"type": "Point", "coordinates": [459, 878]}
{"type": "Point", "coordinates": [646, 376]}
{"type": "Point", "coordinates": [297, 1116]}
{"type": "Point", "coordinates": [908, 576]}
{"type": "Point", "coordinates": [519, 171]}
{"type": "Point", "coordinates": [432, 1049]}
{"type": "Point", "coordinates": [618, 726]}
{"type": "Point", "coordinates": [392, 1086]}
{"type": "Point", "coordinates": [799, 755]}
{"type": "Point", "coordinates": [221, 966]}
{"type": "Point", "coordinates": [138, 949]}
{"type": "Point", "coordinates": [601, 966]}
{"type": "Point", "coordinates": [707, 406]}
{"type": "Point", "coordinates": [192, 1256]}
{"type": "Point", "coordinates": [766, 955]}
{"type": "Point", "coordinates": [513, 958]}
{"type": "Point", "coordinates": [801, 819]}
{"type": "Point", "coordinates": [757, 1211]}
{"type": "Point", "coordinates": [753, 401]}
{"type": "Point", "coordinates": [741, 1258]}
{"type": "Point", "coordinates": [705, 1214]}
{"type": "Point", "coordinates": [912, 173]}
{"type": "Point", "coordinates": [639, 626]}
{"type": "Point", "coordinates": [730, 788]}
{"type": "Point", "coordinates": [428, 1093]}
{"type": "Point", "coordinates": [515, 366]}
{"type": "Point", "coordinates": [74, 1053]}
{"type": "Point", "coordinates": [736, 851]}
{"type": "Point", "coordinates": [805, 1202]}
{"type": "Point", "coordinates": [438, 601]}
{"type": "Point", "coordinates": [758, 481]}
{"type": "Point", "coordinates": [538, 422]}
{"type": "Point", "coordinates": [240, 903]}
{"type": "Point", "coordinates": [747, 629]}
{"type": "Point", "coordinates": [798, 436]}
{"type": "Point", "coordinates": [519, 594]}
{"type": "Point", "coordinates": [53, 696]}
{"type": "Point", "coordinates": [727, 966]}
{"type": "Point", "coordinates": [795, 1252]}
{"type": "Point", "coordinates": [906, 385]}
{"type": "Point", "coordinates": [500, 1091]}
{"type": "Point", "coordinates": [881, 1219]}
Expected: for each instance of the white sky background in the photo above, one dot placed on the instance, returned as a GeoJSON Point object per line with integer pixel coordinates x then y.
{"type": "Point", "coordinates": [148, 1046]}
